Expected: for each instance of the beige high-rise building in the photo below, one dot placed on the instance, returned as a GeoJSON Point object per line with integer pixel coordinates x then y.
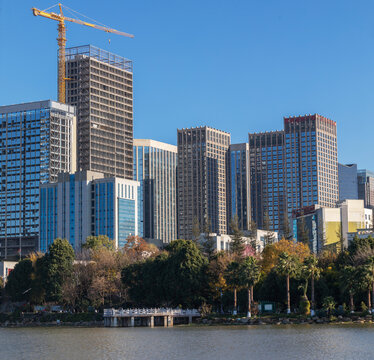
{"type": "Point", "coordinates": [202, 179]}
{"type": "Point", "coordinates": [311, 160]}
{"type": "Point", "coordinates": [100, 86]}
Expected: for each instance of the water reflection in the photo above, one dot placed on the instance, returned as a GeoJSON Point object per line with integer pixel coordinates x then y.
{"type": "Point", "coordinates": [234, 342]}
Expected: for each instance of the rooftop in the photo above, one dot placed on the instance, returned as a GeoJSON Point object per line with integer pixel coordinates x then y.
{"type": "Point", "coordinates": [91, 51]}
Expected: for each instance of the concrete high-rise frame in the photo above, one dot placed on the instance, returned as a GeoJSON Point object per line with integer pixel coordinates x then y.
{"type": "Point", "coordinates": [202, 179]}
{"type": "Point", "coordinates": [100, 85]}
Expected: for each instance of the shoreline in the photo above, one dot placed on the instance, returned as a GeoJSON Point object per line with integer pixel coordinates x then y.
{"type": "Point", "coordinates": [203, 322]}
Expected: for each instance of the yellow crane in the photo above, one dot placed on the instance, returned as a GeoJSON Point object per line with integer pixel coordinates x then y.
{"type": "Point", "coordinates": [61, 41]}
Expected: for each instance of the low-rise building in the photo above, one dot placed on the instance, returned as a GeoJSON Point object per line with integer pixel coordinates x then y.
{"type": "Point", "coordinates": [5, 269]}
{"type": "Point", "coordinates": [87, 203]}
{"type": "Point", "coordinates": [329, 227]}
{"type": "Point", "coordinates": [223, 242]}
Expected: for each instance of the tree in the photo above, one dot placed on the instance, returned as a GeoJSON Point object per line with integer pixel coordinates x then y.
{"type": "Point", "coordinates": [97, 242]}
{"type": "Point", "coordinates": [340, 236]}
{"type": "Point", "coordinates": [19, 282]}
{"type": "Point", "coordinates": [138, 249]}
{"type": "Point", "coordinates": [237, 242]}
{"type": "Point", "coordinates": [208, 245]}
{"type": "Point", "coordinates": [196, 231]}
{"type": "Point", "coordinates": [329, 304]}
{"type": "Point", "coordinates": [302, 232]}
{"type": "Point", "coordinates": [269, 235]}
{"type": "Point", "coordinates": [271, 253]}
{"type": "Point", "coordinates": [348, 281]}
{"type": "Point", "coordinates": [176, 277]}
{"type": "Point", "coordinates": [215, 272]}
{"type": "Point", "coordinates": [287, 230]}
{"type": "Point", "coordinates": [288, 266]}
{"type": "Point", "coordinates": [364, 256]}
{"type": "Point", "coordinates": [57, 266]}
{"type": "Point", "coordinates": [234, 278]}
{"type": "Point", "coordinates": [312, 271]}
{"type": "Point", "coordinates": [250, 271]}
{"type": "Point", "coordinates": [253, 235]}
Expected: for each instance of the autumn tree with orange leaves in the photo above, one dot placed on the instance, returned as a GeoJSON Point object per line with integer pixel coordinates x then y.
{"type": "Point", "coordinates": [271, 253]}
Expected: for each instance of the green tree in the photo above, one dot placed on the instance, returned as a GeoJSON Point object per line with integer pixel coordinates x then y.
{"type": "Point", "coordinates": [348, 280]}
{"type": "Point", "coordinates": [234, 279]}
{"type": "Point", "coordinates": [58, 266]}
{"type": "Point", "coordinates": [364, 256]}
{"type": "Point", "coordinates": [253, 235]}
{"type": "Point", "coordinates": [97, 242]}
{"type": "Point", "coordinates": [237, 242]}
{"type": "Point", "coordinates": [19, 283]}
{"type": "Point", "coordinates": [288, 266]}
{"type": "Point", "coordinates": [329, 304]}
{"type": "Point", "coordinates": [286, 228]}
{"type": "Point", "coordinates": [196, 231]}
{"type": "Point", "coordinates": [269, 235]}
{"type": "Point", "coordinates": [311, 270]}
{"type": "Point", "coordinates": [208, 245]}
{"type": "Point", "coordinates": [302, 231]}
{"type": "Point", "coordinates": [250, 271]}
{"type": "Point", "coordinates": [340, 236]}
{"type": "Point", "coordinates": [177, 277]}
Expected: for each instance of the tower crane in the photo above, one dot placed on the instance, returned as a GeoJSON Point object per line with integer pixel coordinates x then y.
{"type": "Point", "coordinates": [61, 41]}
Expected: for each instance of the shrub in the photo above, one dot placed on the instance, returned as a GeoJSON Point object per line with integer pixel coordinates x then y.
{"type": "Point", "coordinates": [304, 306]}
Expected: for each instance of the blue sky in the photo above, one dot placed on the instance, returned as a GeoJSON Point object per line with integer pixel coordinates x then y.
{"type": "Point", "coordinates": [236, 65]}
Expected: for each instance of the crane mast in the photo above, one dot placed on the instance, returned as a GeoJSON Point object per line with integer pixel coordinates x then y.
{"type": "Point", "coordinates": [61, 41]}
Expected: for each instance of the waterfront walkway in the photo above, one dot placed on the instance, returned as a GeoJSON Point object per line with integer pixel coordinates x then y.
{"type": "Point", "coordinates": [148, 317]}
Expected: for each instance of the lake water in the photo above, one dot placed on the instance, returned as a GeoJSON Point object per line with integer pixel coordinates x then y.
{"type": "Point", "coordinates": [190, 342]}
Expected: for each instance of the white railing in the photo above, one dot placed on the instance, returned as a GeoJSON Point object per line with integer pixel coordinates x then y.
{"type": "Point", "coordinates": [153, 311]}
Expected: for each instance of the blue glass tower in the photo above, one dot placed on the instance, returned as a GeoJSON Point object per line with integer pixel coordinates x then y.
{"type": "Point", "coordinates": [87, 203]}
{"type": "Point", "coordinates": [155, 167]}
{"type": "Point", "coordinates": [239, 199]}
{"type": "Point", "coordinates": [37, 141]}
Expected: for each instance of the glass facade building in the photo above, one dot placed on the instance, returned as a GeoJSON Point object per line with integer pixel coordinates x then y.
{"type": "Point", "coordinates": [239, 194]}
{"type": "Point", "coordinates": [87, 203]}
{"type": "Point", "coordinates": [348, 187]}
{"type": "Point", "coordinates": [155, 167]}
{"type": "Point", "coordinates": [267, 178]}
{"type": "Point", "coordinates": [293, 168]}
{"type": "Point", "coordinates": [365, 183]}
{"type": "Point", "coordinates": [37, 141]}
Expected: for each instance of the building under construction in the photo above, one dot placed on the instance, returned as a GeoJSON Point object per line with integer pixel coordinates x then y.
{"type": "Point", "coordinates": [100, 85]}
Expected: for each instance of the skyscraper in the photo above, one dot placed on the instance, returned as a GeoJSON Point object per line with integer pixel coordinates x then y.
{"type": "Point", "coordinates": [348, 188]}
{"type": "Point", "coordinates": [87, 203]}
{"type": "Point", "coordinates": [202, 179]}
{"type": "Point", "coordinates": [100, 85]}
{"type": "Point", "coordinates": [239, 192]}
{"type": "Point", "coordinates": [365, 180]}
{"type": "Point", "coordinates": [266, 152]}
{"type": "Point", "coordinates": [311, 161]}
{"type": "Point", "coordinates": [37, 141]}
{"type": "Point", "coordinates": [155, 167]}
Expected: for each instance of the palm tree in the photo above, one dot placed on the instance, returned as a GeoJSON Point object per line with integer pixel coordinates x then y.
{"type": "Point", "coordinates": [370, 268]}
{"type": "Point", "coordinates": [312, 271]}
{"type": "Point", "coordinates": [251, 273]}
{"type": "Point", "coordinates": [234, 278]}
{"type": "Point", "coordinates": [349, 283]}
{"type": "Point", "coordinates": [288, 266]}
{"type": "Point", "coordinates": [329, 304]}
